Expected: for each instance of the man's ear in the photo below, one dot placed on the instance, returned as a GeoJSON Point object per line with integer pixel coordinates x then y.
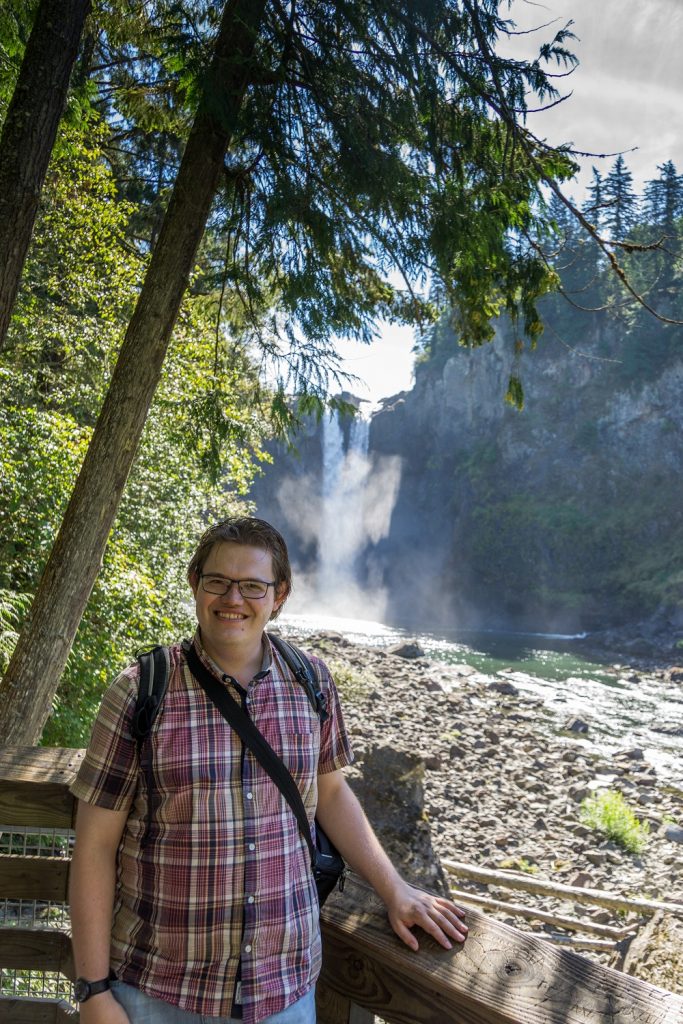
{"type": "Point", "coordinates": [193, 580]}
{"type": "Point", "coordinates": [281, 594]}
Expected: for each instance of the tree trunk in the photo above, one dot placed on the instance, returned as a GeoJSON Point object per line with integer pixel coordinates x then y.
{"type": "Point", "coordinates": [29, 132]}
{"type": "Point", "coordinates": [32, 677]}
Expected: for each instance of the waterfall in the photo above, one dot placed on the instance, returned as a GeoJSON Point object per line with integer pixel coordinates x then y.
{"type": "Point", "coordinates": [342, 526]}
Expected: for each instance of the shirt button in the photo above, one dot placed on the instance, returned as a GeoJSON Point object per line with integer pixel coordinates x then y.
{"type": "Point", "coordinates": [250, 796]}
{"type": "Point", "coordinates": [251, 899]}
{"type": "Point", "coordinates": [252, 846]}
{"type": "Point", "coordinates": [247, 949]}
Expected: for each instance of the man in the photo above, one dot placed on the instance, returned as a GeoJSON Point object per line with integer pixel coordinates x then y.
{"type": "Point", "coordinates": [210, 892]}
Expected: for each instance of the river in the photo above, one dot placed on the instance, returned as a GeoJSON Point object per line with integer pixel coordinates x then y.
{"type": "Point", "coordinates": [623, 708]}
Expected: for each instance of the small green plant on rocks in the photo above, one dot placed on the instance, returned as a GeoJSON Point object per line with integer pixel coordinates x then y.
{"type": "Point", "coordinates": [518, 864]}
{"type": "Point", "coordinates": [352, 684]}
{"type": "Point", "coordinates": [608, 812]}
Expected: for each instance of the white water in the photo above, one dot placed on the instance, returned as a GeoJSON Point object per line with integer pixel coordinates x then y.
{"type": "Point", "coordinates": [342, 531]}
{"type": "Point", "coordinates": [621, 712]}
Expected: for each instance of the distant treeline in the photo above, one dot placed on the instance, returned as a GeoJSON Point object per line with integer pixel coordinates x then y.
{"type": "Point", "coordinates": [593, 303]}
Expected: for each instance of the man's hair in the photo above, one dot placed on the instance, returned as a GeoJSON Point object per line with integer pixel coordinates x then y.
{"type": "Point", "coordinates": [246, 530]}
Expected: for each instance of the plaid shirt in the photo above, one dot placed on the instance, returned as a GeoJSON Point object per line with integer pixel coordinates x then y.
{"type": "Point", "coordinates": [224, 875]}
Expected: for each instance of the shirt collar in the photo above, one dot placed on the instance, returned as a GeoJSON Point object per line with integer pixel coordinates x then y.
{"type": "Point", "coordinates": [266, 657]}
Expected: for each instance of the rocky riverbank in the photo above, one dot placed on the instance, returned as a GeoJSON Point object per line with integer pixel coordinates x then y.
{"type": "Point", "coordinates": [485, 779]}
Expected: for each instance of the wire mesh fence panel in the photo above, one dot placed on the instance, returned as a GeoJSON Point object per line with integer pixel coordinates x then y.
{"type": "Point", "coordinates": [43, 842]}
{"type": "Point", "coordinates": [35, 985]}
{"type": "Point", "coordinates": [35, 914]}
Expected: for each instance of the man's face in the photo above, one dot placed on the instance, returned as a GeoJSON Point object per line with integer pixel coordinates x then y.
{"type": "Point", "coordinates": [231, 623]}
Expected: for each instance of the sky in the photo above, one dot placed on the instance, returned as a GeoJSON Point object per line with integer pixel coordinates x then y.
{"type": "Point", "coordinates": [627, 92]}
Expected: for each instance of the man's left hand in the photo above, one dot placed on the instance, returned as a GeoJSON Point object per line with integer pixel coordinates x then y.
{"type": "Point", "coordinates": [436, 915]}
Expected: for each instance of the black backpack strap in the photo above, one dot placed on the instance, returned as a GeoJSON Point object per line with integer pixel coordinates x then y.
{"type": "Point", "coordinates": [253, 739]}
{"type": "Point", "coordinates": [154, 672]}
{"type": "Point", "coordinates": [153, 682]}
{"type": "Point", "coordinates": [303, 673]}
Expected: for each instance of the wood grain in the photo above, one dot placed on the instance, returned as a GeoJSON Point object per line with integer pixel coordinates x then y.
{"type": "Point", "coordinates": [34, 786]}
{"type": "Point", "coordinates": [22, 949]}
{"type": "Point", "coordinates": [36, 1011]}
{"type": "Point", "coordinates": [499, 975]}
{"type": "Point", "coordinates": [34, 878]}
{"type": "Point", "coordinates": [528, 883]}
{"type": "Point", "coordinates": [334, 1008]}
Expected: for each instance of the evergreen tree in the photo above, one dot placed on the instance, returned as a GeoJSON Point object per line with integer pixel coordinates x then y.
{"type": "Point", "coordinates": [619, 201]}
{"type": "Point", "coordinates": [29, 132]}
{"type": "Point", "coordinates": [663, 199]}
{"type": "Point", "coordinates": [594, 206]}
{"type": "Point", "coordinates": [349, 140]}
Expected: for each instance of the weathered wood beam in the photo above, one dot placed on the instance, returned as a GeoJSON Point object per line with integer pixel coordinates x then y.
{"type": "Point", "coordinates": [499, 975]}
{"type": "Point", "coordinates": [557, 889]}
{"type": "Point", "coordinates": [30, 949]}
{"type": "Point", "coordinates": [34, 786]}
{"type": "Point", "coordinates": [333, 1008]}
{"type": "Point", "coordinates": [36, 1011]}
{"type": "Point", "coordinates": [34, 878]}
{"type": "Point", "coordinates": [572, 924]}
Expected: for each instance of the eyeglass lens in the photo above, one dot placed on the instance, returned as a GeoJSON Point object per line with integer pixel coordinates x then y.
{"type": "Point", "coordinates": [247, 588]}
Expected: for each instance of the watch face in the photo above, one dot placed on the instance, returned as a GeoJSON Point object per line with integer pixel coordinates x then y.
{"type": "Point", "coordinates": [81, 990]}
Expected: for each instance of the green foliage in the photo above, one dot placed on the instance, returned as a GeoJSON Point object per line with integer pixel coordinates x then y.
{"type": "Point", "coordinates": [352, 684]}
{"type": "Point", "coordinates": [609, 813]}
{"type": "Point", "coordinates": [519, 864]}
{"type": "Point", "coordinates": [12, 609]}
{"type": "Point", "coordinates": [514, 395]}
{"type": "Point", "coordinates": [199, 447]}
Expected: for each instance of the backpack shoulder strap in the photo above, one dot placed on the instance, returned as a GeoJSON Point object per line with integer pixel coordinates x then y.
{"type": "Point", "coordinates": [303, 673]}
{"type": "Point", "coordinates": [155, 670]}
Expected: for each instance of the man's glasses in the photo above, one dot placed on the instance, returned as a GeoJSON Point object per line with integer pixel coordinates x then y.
{"type": "Point", "coordinates": [250, 589]}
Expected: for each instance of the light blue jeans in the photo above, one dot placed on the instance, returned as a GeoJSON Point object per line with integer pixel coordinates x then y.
{"type": "Point", "coordinates": [143, 1009]}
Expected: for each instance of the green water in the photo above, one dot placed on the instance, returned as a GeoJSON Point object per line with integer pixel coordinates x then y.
{"type": "Point", "coordinates": [623, 709]}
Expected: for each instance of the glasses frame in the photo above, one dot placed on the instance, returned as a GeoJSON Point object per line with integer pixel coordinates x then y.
{"type": "Point", "coordinates": [228, 585]}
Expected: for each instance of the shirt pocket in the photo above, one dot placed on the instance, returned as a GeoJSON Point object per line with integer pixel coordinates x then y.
{"type": "Point", "coordinates": [299, 752]}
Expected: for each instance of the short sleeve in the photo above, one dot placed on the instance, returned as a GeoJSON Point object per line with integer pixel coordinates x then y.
{"type": "Point", "coordinates": [109, 772]}
{"type": "Point", "coordinates": [335, 747]}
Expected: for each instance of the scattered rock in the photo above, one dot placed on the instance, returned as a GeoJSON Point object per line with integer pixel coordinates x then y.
{"type": "Point", "coordinates": [391, 789]}
{"type": "Point", "coordinates": [408, 650]}
{"type": "Point", "coordinates": [505, 687]}
{"type": "Point", "coordinates": [636, 754]}
{"type": "Point", "coordinates": [668, 730]}
{"type": "Point", "coordinates": [674, 833]}
{"type": "Point", "coordinates": [576, 725]}
{"type": "Point", "coordinates": [676, 675]}
{"type": "Point", "coordinates": [481, 800]}
{"type": "Point", "coordinates": [433, 762]}
{"type": "Point", "coordinates": [582, 880]}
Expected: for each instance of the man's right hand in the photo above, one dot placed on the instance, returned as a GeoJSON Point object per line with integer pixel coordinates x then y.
{"type": "Point", "coordinates": [103, 1009]}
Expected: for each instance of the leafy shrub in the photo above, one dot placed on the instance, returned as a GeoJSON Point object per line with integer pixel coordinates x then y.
{"type": "Point", "coordinates": [352, 684]}
{"type": "Point", "coordinates": [608, 812]}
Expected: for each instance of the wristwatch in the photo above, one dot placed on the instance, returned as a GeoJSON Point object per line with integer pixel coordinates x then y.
{"type": "Point", "coordinates": [83, 988]}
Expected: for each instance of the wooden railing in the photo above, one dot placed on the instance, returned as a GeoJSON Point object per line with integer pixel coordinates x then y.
{"type": "Point", "coordinates": [499, 976]}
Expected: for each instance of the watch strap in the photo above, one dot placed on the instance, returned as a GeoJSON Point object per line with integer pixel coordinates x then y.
{"type": "Point", "coordinates": [84, 989]}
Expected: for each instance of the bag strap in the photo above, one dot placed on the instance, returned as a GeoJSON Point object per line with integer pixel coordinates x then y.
{"type": "Point", "coordinates": [303, 673]}
{"type": "Point", "coordinates": [254, 740]}
{"type": "Point", "coordinates": [152, 686]}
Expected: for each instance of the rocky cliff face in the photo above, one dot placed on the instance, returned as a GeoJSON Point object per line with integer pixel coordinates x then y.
{"type": "Point", "coordinates": [567, 515]}
{"type": "Point", "coordinates": [564, 517]}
